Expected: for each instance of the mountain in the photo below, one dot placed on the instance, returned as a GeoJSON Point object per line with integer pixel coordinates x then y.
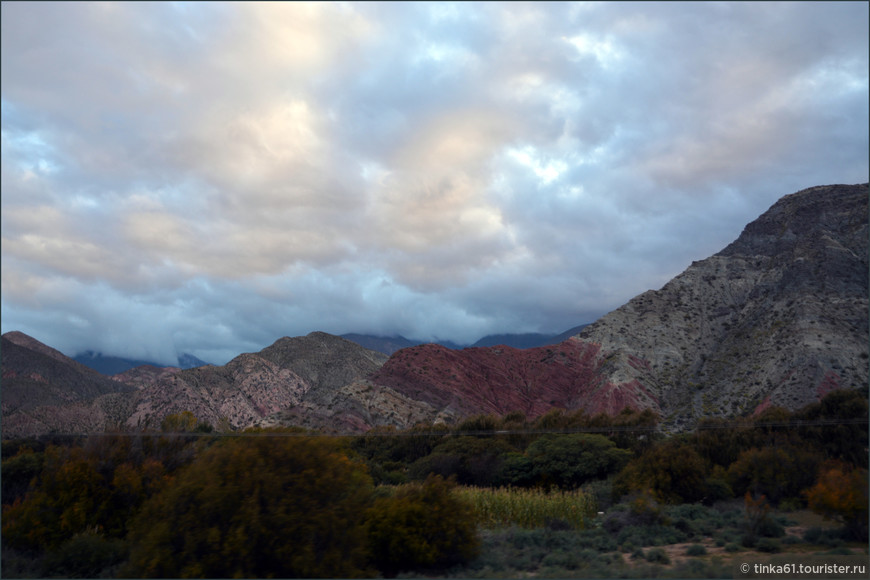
{"type": "Point", "coordinates": [315, 381]}
{"type": "Point", "coordinates": [44, 390]}
{"type": "Point", "coordinates": [384, 344]}
{"type": "Point", "coordinates": [527, 340]}
{"type": "Point", "coordinates": [389, 345]}
{"type": "Point", "coordinates": [502, 379]}
{"type": "Point", "coordinates": [113, 365]}
{"type": "Point", "coordinates": [779, 317]}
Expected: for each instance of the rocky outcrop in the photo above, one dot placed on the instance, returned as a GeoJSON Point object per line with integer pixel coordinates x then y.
{"type": "Point", "coordinates": [778, 317]}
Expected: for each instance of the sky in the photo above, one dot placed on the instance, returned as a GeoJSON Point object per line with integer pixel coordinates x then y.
{"type": "Point", "coordinates": [210, 177]}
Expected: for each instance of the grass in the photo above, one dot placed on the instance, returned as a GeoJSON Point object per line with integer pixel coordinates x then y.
{"type": "Point", "coordinates": [529, 508]}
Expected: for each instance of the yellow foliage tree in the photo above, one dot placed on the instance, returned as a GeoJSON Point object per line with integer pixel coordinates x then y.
{"type": "Point", "coordinates": [841, 494]}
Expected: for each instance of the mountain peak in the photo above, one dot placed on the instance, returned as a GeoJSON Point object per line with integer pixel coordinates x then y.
{"type": "Point", "coordinates": [780, 315]}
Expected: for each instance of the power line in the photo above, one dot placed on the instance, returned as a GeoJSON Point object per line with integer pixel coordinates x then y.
{"type": "Point", "coordinates": [785, 424]}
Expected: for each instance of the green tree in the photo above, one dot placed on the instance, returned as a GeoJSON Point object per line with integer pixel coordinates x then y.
{"type": "Point", "coordinates": [672, 471]}
{"type": "Point", "coordinates": [776, 472]}
{"type": "Point", "coordinates": [63, 503]}
{"type": "Point", "coordinates": [569, 461]}
{"type": "Point", "coordinates": [421, 527]}
{"type": "Point", "coordinates": [473, 460]}
{"type": "Point", "coordinates": [264, 504]}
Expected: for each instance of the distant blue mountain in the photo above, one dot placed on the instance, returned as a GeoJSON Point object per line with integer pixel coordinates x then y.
{"type": "Point", "coordinates": [112, 365]}
{"type": "Point", "coordinates": [390, 344]}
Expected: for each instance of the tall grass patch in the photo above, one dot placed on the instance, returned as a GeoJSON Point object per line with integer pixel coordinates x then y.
{"type": "Point", "coordinates": [528, 508]}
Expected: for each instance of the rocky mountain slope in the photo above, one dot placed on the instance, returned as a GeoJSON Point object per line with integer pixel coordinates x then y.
{"type": "Point", "coordinates": [779, 317]}
{"type": "Point", "coordinates": [502, 379]}
{"type": "Point", "coordinates": [284, 376]}
{"type": "Point", "coordinates": [44, 390]}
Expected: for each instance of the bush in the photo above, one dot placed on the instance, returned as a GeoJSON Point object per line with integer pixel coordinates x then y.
{"type": "Point", "coordinates": [732, 547]}
{"type": "Point", "coordinates": [696, 550]}
{"type": "Point", "coordinates": [657, 556]}
{"type": "Point", "coordinates": [86, 555]}
{"type": "Point", "coordinates": [422, 526]}
{"type": "Point", "coordinates": [255, 506]}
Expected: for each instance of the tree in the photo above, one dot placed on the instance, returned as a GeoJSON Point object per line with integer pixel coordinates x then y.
{"type": "Point", "coordinates": [423, 526]}
{"type": "Point", "coordinates": [473, 460]}
{"type": "Point", "coordinates": [776, 472]}
{"type": "Point", "coordinates": [569, 461]}
{"type": "Point", "coordinates": [841, 494]}
{"type": "Point", "coordinates": [65, 502]}
{"type": "Point", "coordinates": [265, 504]}
{"type": "Point", "coordinates": [672, 470]}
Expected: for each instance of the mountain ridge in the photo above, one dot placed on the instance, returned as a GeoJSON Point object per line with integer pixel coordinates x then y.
{"type": "Point", "coordinates": [778, 317]}
{"type": "Point", "coordinates": [112, 365]}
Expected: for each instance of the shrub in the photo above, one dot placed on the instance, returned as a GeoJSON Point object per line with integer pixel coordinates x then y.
{"type": "Point", "coordinates": [422, 526]}
{"type": "Point", "coordinates": [657, 556]}
{"type": "Point", "coordinates": [85, 555]}
{"type": "Point", "coordinates": [696, 550]}
{"type": "Point", "coordinates": [817, 535]}
{"type": "Point", "coordinates": [732, 547]}
{"type": "Point", "coordinates": [254, 506]}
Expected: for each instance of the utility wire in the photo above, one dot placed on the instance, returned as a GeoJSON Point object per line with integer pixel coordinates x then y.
{"type": "Point", "coordinates": [785, 424]}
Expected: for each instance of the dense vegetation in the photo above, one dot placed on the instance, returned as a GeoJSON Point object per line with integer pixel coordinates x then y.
{"type": "Point", "coordinates": [190, 502]}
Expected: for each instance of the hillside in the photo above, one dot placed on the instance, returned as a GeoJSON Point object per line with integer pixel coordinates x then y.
{"type": "Point", "coordinates": [502, 379]}
{"type": "Point", "coordinates": [779, 317]}
{"type": "Point", "coordinates": [312, 381]}
{"type": "Point", "coordinates": [43, 391]}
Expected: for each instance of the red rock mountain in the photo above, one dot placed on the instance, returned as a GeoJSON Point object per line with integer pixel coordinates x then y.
{"type": "Point", "coordinates": [501, 379]}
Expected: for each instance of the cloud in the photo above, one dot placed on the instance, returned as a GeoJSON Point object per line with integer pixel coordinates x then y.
{"type": "Point", "coordinates": [217, 175]}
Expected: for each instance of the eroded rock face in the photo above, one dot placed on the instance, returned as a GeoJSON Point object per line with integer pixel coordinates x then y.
{"type": "Point", "coordinates": [502, 379]}
{"type": "Point", "coordinates": [295, 381]}
{"type": "Point", "coordinates": [778, 317]}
